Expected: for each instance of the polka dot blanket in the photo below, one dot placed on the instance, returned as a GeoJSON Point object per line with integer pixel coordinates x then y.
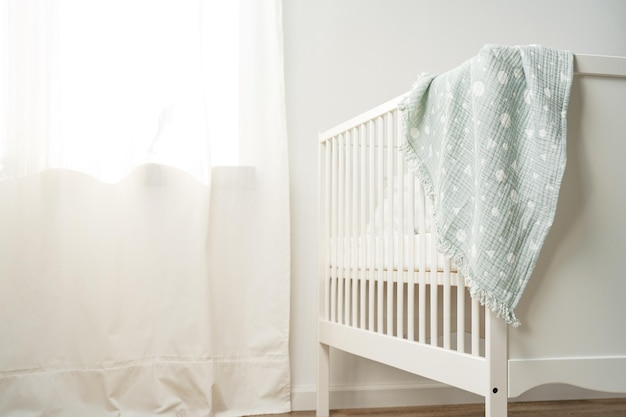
{"type": "Point", "coordinates": [488, 141]}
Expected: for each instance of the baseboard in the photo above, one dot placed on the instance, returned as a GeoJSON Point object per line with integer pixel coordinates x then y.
{"type": "Point", "coordinates": [303, 398]}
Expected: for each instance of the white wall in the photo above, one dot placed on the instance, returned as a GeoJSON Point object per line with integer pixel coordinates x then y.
{"type": "Point", "coordinates": [345, 56]}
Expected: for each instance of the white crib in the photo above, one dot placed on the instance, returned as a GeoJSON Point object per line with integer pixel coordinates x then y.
{"type": "Point", "coordinates": [386, 294]}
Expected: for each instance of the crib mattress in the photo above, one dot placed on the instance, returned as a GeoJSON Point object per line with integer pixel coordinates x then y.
{"type": "Point", "coordinates": [387, 252]}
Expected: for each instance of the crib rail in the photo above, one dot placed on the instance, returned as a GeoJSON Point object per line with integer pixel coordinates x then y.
{"type": "Point", "coordinates": [380, 270]}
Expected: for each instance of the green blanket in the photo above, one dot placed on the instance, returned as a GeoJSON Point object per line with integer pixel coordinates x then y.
{"type": "Point", "coordinates": [488, 141]}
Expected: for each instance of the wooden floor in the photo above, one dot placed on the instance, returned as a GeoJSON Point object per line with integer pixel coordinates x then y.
{"type": "Point", "coordinates": [582, 408]}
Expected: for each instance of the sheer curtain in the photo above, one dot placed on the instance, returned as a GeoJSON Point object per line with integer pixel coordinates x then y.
{"type": "Point", "coordinates": [137, 277]}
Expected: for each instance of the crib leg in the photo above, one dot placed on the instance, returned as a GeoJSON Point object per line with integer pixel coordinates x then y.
{"type": "Point", "coordinates": [323, 380]}
{"type": "Point", "coordinates": [496, 404]}
{"type": "Point", "coordinates": [496, 400]}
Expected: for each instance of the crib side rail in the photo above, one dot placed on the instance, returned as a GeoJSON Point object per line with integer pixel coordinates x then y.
{"type": "Point", "coordinates": [380, 270]}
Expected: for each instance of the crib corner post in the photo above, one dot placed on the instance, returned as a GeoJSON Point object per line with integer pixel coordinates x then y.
{"type": "Point", "coordinates": [323, 380]}
{"type": "Point", "coordinates": [496, 350]}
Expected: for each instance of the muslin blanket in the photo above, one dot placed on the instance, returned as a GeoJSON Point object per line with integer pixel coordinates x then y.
{"type": "Point", "coordinates": [488, 142]}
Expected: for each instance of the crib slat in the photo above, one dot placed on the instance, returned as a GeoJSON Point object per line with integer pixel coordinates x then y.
{"type": "Point", "coordinates": [354, 318]}
{"type": "Point", "coordinates": [447, 305]}
{"type": "Point", "coordinates": [434, 292]}
{"type": "Point", "coordinates": [400, 233]}
{"type": "Point", "coordinates": [341, 227]}
{"type": "Point", "coordinates": [475, 328]}
{"type": "Point", "coordinates": [348, 228]}
{"type": "Point", "coordinates": [411, 273]}
{"type": "Point", "coordinates": [460, 311]}
{"type": "Point", "coordinates": [381, 224]}
{"type": "Point", "coordinates": [351, 219]}
{"type": "Point", "coordinates": [389, 232]}
{"type": "Point", "coordinates": [362, 232]}
{"type": "Point", "coordinates": [421, 202]}
{"type": "Point", "coordinates": [372, 255]}
{"type": "Point", "coordinates": [334, 229]}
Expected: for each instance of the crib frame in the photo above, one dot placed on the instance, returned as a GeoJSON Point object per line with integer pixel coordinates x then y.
{"type": "Point", "coordinates": [379, 298]}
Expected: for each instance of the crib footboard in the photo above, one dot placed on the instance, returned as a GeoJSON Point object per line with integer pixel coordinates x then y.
{"type": "Point", "coordinates": [386, 293]}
